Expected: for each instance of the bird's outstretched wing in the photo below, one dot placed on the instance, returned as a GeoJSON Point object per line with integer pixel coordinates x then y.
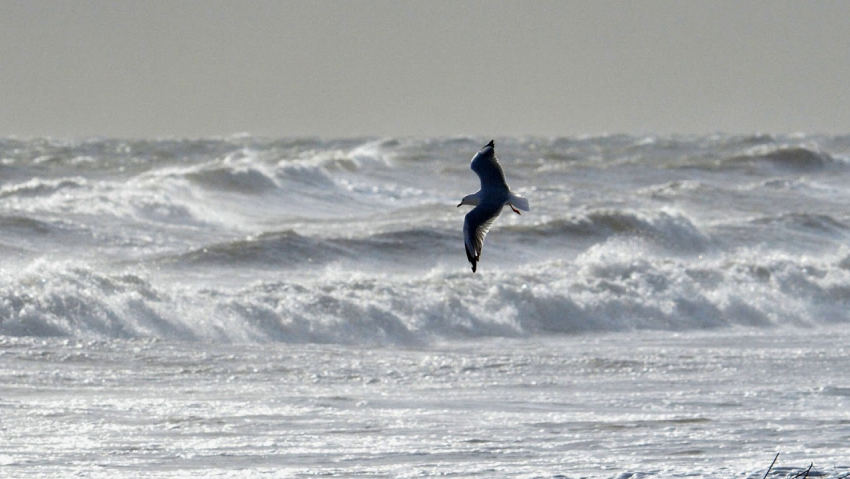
{"type": "Point", "coordinates": [475, 227]}
{"type": "Point", "coordinates": [487, 167]}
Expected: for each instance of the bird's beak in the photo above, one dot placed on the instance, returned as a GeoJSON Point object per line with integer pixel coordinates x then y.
{"type": "Point", "coordinates": [459, 205]}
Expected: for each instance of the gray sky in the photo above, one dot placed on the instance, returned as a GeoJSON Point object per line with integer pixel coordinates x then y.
{"type": "Point", "coordinates": [282, 69]}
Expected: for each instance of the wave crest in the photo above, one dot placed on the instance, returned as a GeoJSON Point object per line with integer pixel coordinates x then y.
{"type": "Point", "coordinates": [41, 187]}
{"type": "Point", "coordinates": [671, 229]}
{"type": "Point", "coordinates": [607, 288]}
{"type": "Point", "coordinates": [794, 158]}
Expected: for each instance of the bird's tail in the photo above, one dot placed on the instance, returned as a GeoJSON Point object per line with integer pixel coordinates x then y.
{"type": "Point", "coordinates": [519, 202]}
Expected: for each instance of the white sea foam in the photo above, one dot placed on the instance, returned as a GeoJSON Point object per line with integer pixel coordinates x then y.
{"type": "Point", "coordinates": [358, 241]}
{"type": "Point", "coordinates": [655, 405]}
{"type": "Point", "coordinates": [617, 285]}
{"type": "Point", "coordinates": [672, 307]}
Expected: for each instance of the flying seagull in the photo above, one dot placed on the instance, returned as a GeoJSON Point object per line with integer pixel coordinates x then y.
{"type": "Point", "coordinates": [488, 201]}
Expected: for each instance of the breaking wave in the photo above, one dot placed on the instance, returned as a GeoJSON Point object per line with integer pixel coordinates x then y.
{"type": "Point", "coordinates": [669, 230]}
{"type": "Point", "coordinates": [360, 241]}
{"type": "Point", "coordinates": [793, 158]}
{"type": "Point", "coordinates": [607, 288]}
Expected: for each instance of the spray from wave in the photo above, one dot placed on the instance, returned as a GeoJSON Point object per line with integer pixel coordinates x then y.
{"type": "Point", "coordinates": [358, 240]}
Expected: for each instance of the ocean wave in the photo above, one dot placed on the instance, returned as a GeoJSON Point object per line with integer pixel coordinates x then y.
{"type": "Point", "coordinates": [18, 232]}
{"type": "Point", "coordinates": [618, 289]}
{"type": "Point", "coordinates": [26, 226]}
{"type": "Point", "coordinates": [348, 158]}
{"type": "Point", "coordinates": [818, 224]}
{"type": "Point", "coordinates": [415, 246]}
{"type": "Point", "coordinates": [39, 235]}
{"type": "Point", "coordinates": [358, 240]}
{"type": "Point", "coordinates": [669, 229]}
{"type": "Point", "coordinates": [608, 288]}
{"type": "Point", "coordinates": [678, 188]}
{"type": "Point", "coordinates": [304, 176]}
{"type": "Point", "coordinates": [70, 300]}
{"type": "Point", "coordinates": [282, 249]}
{"type": "Point", "coordinates": [404, 246]}
{"type": "Point", "coordinates": [796, 158]}
{"type": "Point", "coordinates": [41, 187]}
{"type": "Point", "coordinates": [241, 180]}
{"type": "Point", "coordinates": [268, 250]}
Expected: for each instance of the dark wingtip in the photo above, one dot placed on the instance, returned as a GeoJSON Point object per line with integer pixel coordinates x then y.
{"type": "Point", "coordinates": [472, 259]}
{"type": "Point", "coordinates": [491, 144]}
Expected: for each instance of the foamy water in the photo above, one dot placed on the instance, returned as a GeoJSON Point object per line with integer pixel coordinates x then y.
{"type": "Point", "coordinates": [359, 241]}
{"type": "Point", "coordinates": [670, 306]}
{"type": "Point", "coordinates": [612, 405]}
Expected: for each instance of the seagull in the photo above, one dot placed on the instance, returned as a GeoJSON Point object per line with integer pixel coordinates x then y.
{"type": "Point", "coordinates": [488, 201]}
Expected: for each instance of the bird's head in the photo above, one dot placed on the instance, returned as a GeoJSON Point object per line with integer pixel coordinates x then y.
{"type": "Point", "coordinates": [469, 200]}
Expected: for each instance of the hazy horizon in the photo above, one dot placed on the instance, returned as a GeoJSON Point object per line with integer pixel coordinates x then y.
{"type": "Point", "coordinates": [289, 69]}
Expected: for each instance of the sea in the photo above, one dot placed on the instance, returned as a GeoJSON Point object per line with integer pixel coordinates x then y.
{"type": "Point", "coordinates": [671, 307]}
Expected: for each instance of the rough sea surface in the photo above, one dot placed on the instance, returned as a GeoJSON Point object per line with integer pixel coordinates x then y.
{"type": "Point", "coordinates": [245, 307]}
